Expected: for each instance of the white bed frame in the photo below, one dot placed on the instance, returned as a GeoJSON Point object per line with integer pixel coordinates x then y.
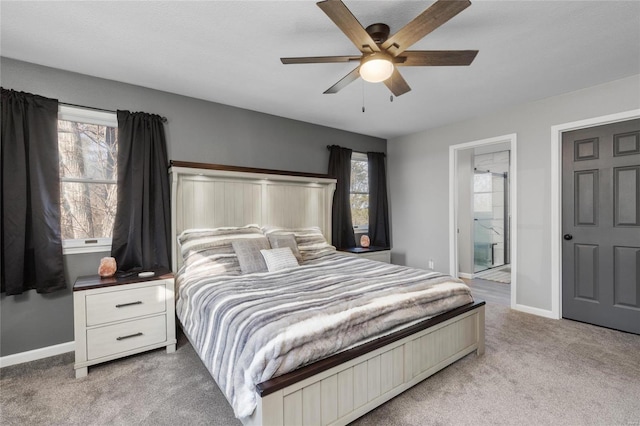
{"type": "Point", "coordinates": [343, 388]}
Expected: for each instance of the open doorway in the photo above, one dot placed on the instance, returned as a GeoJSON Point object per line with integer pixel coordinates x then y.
{"type": "Point", "coordinates": [482, 194]}
{"type": "Point", "coordinates": [490, 213]}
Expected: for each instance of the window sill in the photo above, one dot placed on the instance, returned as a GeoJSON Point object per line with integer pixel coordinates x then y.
{"type": "Point", "coordinates": [80, 247]}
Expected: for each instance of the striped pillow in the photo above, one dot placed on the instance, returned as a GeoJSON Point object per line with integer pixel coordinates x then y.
{"type": "Point", "coordinates": [214, 247]}
{"type": "Point", "coordinates": [311, 243]}
{"type": "Point", "coordinates": [278, 259]}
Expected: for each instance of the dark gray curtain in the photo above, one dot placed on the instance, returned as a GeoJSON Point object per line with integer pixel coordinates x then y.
{"type": "Point", "coordinates": [378, 205]}
{"type": "Point", "coordinates": [340, 169]}
{"type": "Point", "coordinates": [30, 182]}
{"type": "Point", "coordinates": [142, 225]}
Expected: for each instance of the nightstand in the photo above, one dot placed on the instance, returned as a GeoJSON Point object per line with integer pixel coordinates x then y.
{"type": "Point", "coordinates": [117, 317]}
{"type": "Point", "coordinates": [381, 254]}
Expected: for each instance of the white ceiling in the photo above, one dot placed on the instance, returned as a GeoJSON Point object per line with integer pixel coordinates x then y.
{"type": "Point", "coordinates": [228, 52]}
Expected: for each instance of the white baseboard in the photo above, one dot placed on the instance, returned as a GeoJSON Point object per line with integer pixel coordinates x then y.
{"type": "Point", "coordinates": [465, 275]}
{"type": "Point", "coordinates": [35, 354]}
{"type": "Point", "coordinates": [535, 311]}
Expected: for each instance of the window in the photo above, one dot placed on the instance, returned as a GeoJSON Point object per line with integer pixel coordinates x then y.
{"type": "Point", "coordinates": [360, 191]}
{"type": "Point", "coordinates": [482, 192]}
{"type": "Point", "coordinates": [87, 143]}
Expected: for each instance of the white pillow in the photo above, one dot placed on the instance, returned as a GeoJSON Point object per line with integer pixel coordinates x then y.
{"type": "Point", "coordinates": [279, 258]}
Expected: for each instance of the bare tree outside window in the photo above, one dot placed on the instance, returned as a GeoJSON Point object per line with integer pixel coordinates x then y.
{"type": "Point", "coordinates": [88, 173]}
{"type": "Point", "coordinates": [359, 193]}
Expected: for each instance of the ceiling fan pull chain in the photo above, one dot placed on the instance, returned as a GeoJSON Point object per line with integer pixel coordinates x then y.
{"type": "Point", "coordinates": [391, 95]}
{"type": "Point", "coordinates": [363, 96]}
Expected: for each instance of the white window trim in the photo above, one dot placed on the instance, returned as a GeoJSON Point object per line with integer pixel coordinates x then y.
{"type": "Point", "coordinates": [104, 118]}
{"type": "Point", "coordinates": [359, 156]}
{"type": "Point", "coordinates": [83, 115]}
{"type": "Point", "coordinates": [89, 245]}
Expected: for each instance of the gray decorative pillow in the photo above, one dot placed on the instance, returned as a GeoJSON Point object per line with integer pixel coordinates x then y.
{"type": "Point", "coordinates": [285, 240]}
{"type": "Point", "coordinates": [280, 258]}
{"type": "Point", "coordinates": [249, 256]}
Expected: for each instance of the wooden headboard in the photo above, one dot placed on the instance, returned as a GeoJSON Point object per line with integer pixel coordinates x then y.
{"type": "Point", "coordinates": [210, 196]}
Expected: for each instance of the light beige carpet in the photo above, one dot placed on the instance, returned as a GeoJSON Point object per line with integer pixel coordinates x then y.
{"type": "Point", "coordinates": [536, 371]}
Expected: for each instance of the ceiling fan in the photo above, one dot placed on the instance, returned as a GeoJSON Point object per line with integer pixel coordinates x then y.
{"type": "Point", "coordinates": [381, 54]}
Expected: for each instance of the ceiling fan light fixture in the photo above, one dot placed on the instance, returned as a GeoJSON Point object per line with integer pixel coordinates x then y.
{"type": "Point", "coordinates": [376, 68]}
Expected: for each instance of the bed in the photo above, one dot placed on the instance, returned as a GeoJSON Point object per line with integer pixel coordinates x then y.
{"type": "Point", "coordinates": [355, 353]}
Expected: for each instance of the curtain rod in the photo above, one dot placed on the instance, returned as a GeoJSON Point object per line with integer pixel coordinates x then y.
{"type": "Point", "coordinates": [360, 152]}
{"type": "Point", "coordinates": [163, 119]}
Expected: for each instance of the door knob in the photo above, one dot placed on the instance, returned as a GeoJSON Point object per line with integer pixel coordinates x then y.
{"type": "Point", "coordinates": [568, 237]}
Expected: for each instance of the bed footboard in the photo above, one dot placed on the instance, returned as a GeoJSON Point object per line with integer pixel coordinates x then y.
{"type": "Point", "coordinates": [344, 392]}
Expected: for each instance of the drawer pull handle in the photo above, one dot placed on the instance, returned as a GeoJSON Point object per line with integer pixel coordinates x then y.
{"type": "Point", "coordinates": [129, 336]}
{"type": "Point", "coordinates": [122, 305]}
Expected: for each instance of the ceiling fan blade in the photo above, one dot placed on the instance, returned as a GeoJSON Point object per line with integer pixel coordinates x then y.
{"type": "Point", "coordinates": [397, 84]}
{"type": "Point", "coordinates": [418, 58]}
{"type": "Point", "coordinates": [319, 59]}
{"type": "Point", "coordinates": [349, 25]}
{"type": "Point", "coordinates": [344, 81]}
{"type": "Point", "coordinates": [434, 16]}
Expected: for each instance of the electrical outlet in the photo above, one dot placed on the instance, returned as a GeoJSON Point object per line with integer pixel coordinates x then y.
{"type": "Point", "coordinates": [431, 264]}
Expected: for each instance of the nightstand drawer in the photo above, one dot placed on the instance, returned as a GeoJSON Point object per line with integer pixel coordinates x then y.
{"type": "Point", "coordinates": [126, 336]}
{"type": "Point", "coordinates": [120, 305]}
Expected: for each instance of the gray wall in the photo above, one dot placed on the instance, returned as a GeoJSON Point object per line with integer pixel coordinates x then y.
{"type": "Point", "coordinates": [31, 320]}
{"type": "Point", "coordinates": [197, 131]}
{"type": "Point", "coordinates": [418, 174]}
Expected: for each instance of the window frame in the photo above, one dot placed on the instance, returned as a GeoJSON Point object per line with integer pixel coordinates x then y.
{"type": "Point", "coordinates": [360, 156]}
{"type": "Point", "coordinates": [89, 116]}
